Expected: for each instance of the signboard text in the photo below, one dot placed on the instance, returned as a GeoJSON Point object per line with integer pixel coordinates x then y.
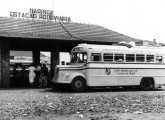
{"type": "Point", "coordinates": [41, 15]}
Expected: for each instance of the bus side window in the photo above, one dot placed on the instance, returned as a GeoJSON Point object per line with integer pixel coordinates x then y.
{"type": "Point", "coordinates": [119, 57]}
{"type": "Point", "coordinates": [130, 57]}
{"type": "Point", "coordinates": [159, 59]}
{"type": "Point", "coordinates": [140, 58]}
{"type": "Point", "coordinates": [150, 58]}
{"type": "Point", "coordinates": [96, 57]}
{"type": "Point", "coordinates": [108, 57]}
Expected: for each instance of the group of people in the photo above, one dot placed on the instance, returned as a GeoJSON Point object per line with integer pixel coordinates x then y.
{"type": "Point", "coordinates": [37, 76]}
{"type": "Point", "coordinates": [20, 76]}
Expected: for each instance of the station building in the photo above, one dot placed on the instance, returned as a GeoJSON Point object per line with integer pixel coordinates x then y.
{"type": "Point", "coordinates": [54, 37]}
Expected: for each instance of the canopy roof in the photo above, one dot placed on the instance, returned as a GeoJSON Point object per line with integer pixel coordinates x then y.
{"type": "Point", "coordinates": [26, 28]}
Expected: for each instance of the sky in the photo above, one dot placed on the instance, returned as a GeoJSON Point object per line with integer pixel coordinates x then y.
{"type": "Point", "coordinates": [140, 19]}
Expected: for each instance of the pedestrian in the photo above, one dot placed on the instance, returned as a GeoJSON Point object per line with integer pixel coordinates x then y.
{"type": "Point", "coordinates": [44, 75]}
{"type": "Point", "coordinates": [32, 75]}
{"type": "Point", "coordinates": [49, 78]}
{"type": "Point", "coordinates": [23, 77]}
{"type": "Point", "coordinates": [15, 74]}
{"type": "Point", "coordinates": [38, 74]}
{"type": "Point", "coordinates": [63, 63]}
{"type": "Point", "coordinates": [19, 80]}
{"type": "Point", "coordinates": [67, 63]}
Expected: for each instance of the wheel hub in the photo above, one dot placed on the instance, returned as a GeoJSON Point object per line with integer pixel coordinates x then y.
{"type": "Point", "coordinates": [78, 84]}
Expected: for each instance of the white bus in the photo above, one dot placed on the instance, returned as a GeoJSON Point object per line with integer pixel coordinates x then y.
{"type": "Point", "coordinates": [113, 65]}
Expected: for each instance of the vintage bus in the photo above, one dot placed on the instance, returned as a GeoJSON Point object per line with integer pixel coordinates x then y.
{"type": "Point", "coordinates": [113, 65]}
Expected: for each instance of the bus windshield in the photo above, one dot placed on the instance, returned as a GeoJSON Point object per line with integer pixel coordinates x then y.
{"type": "Point", "coordinates": [79, 58]}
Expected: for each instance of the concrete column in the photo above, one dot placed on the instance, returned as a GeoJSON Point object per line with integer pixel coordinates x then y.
{"type": "Point", "coordinates": [1, 63]}
{"type": "Point", "coordinates": [4, 64]}
{"type": "Point", "coordinates": [36, 56]}
{"type": "Point", "coordinates": [55, 56]}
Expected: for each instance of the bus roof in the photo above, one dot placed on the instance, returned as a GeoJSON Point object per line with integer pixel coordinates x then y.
{"type": "Point", "coordinates": [119, 49]}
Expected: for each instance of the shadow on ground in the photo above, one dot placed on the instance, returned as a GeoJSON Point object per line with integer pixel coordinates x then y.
{"type": "Point", "coordinates": [90, 90]}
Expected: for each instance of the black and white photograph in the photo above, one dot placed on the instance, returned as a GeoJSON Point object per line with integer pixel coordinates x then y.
{"type": "Point", "coordinates": [82, 60]}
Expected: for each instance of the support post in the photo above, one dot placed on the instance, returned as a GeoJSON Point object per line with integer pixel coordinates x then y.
{"type": "Point", "coordinates": [4, 64]}
{"type": "Point", "coordinates": [36, 57]}
{"type": "Point", "coordinates": [55, 56]}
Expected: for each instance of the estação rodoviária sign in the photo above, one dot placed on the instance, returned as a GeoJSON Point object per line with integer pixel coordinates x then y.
{"type": "Point", "coordinates": [40, 14]}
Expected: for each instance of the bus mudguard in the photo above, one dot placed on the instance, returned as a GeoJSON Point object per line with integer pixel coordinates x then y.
{"type": "Point", "coordinates": [72, 76]}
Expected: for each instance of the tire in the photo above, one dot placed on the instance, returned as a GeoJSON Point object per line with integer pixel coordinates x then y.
{"type": "Point", "coordinates": [146, 84]}
{"type": "Point", "coordinates": [78, 84]}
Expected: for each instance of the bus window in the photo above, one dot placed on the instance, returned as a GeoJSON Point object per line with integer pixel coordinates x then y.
{"type": "Point", "coordinates": [119, 57]}
{"type": "Point", "coordinates": [159, 59]}
{"type": "Point", "coordinates": [108, 57]}
{"type": "Point", "coordinates": [96, 57]}
{"type": "Point", "coordinates": [140, 58]}
{"type": "Point", "coordinates": [130, 57]}
{"type": "Point", "coordinates": [79, 58]}
{"type": "Point", "coordinates": [150, 58]}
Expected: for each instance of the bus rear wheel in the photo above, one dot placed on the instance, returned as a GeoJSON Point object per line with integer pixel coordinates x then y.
{"type": "Point", "coordinates": [146, 84]}
{"type": "Point", "coordinates": [78, 84]}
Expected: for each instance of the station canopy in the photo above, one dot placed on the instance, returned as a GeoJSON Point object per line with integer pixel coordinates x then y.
{"type": "Point", "coordinates": [40, 29]}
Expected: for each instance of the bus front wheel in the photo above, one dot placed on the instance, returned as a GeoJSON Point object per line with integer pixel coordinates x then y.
{"type": "Point", "coordinates": [146, 84]}
{"type": "Point", "coordinates": [78, 84]}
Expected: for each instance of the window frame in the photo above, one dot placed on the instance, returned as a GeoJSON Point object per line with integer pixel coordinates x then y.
{"type": "Point", "coordinates": [150, 60]}
{"type": "Point", "coordinates": [159, 61]}
{"type": "Point", "coordinates": [118, 55]}
{"type": "Point", "coordinates": [100, 57]}
{"type": "Point", "coordinates": [108, 55]}
{"type": "Point", "coordinates": [128, 60]}
{"type": "Point", "coordinates": [81, 53]}
{"type": "Point", "coordinates": [141, 57]}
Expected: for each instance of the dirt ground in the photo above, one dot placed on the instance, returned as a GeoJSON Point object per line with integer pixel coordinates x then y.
{"type": "Point", "coordinates": [116, 104]}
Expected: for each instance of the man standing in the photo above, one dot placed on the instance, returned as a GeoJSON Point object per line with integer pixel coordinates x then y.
{"type": "Point", "coordinates": [44, 75]}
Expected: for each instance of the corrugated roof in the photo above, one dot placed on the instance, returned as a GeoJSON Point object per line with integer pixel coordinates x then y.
{"type": "Point", "coordinates": [25, 28]}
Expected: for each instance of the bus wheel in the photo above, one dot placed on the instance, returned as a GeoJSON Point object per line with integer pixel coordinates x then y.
{"type": "Point", "coordinates": [78, 84]}
{"type": "Point", "coordinates": [146, 84]}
